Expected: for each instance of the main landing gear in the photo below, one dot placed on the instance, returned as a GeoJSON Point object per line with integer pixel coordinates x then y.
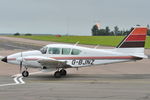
{"type": "Point", "coordinates": [57, 74]}
{"type": "Point", "coordinates": [60, 73]}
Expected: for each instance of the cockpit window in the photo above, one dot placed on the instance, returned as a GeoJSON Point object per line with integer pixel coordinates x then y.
{"type": "Point", "coordinates": [54, 51]}
{"type": "Point", "coordinates": [44, 50]}
{"type": "Point", "coordinates": [75, 52]}
{"type": "Point", "coordinates": [66, 51]}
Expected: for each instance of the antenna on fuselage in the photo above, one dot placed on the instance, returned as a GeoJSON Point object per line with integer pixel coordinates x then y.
{"type": "Point", "coordinates": [76, 43]}
{"type": "Point", "coordinates": [96, 46]}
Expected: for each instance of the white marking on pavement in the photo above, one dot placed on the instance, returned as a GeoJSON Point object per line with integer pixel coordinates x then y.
{"type": "Point", "coordinates": [18, 79]}
{"type": "Point", "coordinates": [8, 84]}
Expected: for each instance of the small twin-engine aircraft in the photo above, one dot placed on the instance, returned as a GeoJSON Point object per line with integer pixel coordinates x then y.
{"type": "Point", "coordinates": [58, 57]}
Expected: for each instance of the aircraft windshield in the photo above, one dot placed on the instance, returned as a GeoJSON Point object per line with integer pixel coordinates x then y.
{"type": "Point", "coordinates": [43, 50]}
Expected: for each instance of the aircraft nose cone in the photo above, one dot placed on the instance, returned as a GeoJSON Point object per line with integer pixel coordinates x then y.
{"type": "Point", "coordinates": [4, 59]}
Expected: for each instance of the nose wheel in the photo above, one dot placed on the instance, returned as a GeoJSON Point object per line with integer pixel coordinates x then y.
{"type": "Point", "coordinates": [25, 73]}
{"type": "Point", "coordinates": [59, 74]}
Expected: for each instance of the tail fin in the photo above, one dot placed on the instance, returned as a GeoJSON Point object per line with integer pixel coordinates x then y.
{"type": "Point", "coordinates": [136, 39]}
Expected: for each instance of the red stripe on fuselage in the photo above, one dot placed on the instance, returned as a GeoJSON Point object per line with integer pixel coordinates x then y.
{"type": "Point", "coordinates": [70, 58]}
{"type": "Point", "coordinates": [11, 59]}
{"type": "Point", "coordinates": [31, 58]}
{"type": "Point", "coordinates": [109, 57]}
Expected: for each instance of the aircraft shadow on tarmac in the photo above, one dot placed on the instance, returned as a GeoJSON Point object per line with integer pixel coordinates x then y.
{"type": "Point", "coordinates": [47, 77]}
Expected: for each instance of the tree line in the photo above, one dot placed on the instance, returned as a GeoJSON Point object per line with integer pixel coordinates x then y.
{"type": "Point", "coordinates": [18, 34]}
{"type": "Point", "coordinates": [116, 31]}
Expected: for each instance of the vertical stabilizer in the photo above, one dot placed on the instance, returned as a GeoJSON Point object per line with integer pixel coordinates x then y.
{"type": "Point", "coordinates": [136, 39]}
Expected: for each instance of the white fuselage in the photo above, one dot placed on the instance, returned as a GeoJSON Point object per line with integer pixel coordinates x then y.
{"type": "Point", "coordinates": [86, 56]}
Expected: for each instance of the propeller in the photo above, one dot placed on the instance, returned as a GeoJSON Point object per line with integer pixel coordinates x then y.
{"type": "Point", "coordinates": [21, 61]}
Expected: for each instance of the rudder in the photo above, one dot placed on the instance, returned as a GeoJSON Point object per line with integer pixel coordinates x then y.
{"type": "Point", "coordinates": [136, 39]}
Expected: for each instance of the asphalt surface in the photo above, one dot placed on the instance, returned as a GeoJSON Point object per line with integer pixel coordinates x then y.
{"type": "Point", "coordinates": [75, 86]}
{"type": "Point", "coordinates": [9, 45]}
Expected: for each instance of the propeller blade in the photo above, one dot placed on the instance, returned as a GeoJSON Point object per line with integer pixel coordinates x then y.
{"type": "Point", "coordinates": [21, 54]}
{"type": "Point", "coordinates": [20, 66]}
{"type": "Point", "coordinates": [21, 63]}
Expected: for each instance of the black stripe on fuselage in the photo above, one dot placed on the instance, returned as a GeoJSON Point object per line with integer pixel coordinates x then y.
{"type": "Point", "coordinates": [133, 44]}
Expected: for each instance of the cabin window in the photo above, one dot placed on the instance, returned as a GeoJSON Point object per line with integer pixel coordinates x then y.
{"type": "Point", "coordinates": [66, 51]}
{"type": "Point", "coordinates": [54, 50]}
{"type": "Point", "coordinates": [44, 50]}
{"type": "Point", "coordinates": [75, 52]}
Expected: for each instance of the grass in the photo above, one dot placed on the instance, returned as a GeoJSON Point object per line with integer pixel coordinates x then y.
{"type": "Point", "coordinates": [92, 40]}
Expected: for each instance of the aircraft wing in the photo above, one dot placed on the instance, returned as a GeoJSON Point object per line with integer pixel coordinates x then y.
{"type": "Point", "coordinates": [53, 63]}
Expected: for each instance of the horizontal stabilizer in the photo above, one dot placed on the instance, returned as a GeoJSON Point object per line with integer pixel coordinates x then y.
{"type": "Point", "coordinates": [140, 56]}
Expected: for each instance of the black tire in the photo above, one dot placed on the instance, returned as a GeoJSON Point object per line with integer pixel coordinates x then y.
{"type": "Point", "coordinates": [25, 73]}
{"type": "Point", "coordinates": [57, 74]}
{"type": "Point", "coordinates": [63, 72]}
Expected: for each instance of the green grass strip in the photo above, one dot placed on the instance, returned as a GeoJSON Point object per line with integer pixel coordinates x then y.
{"type": "Point", "coordinates": [92, 40]}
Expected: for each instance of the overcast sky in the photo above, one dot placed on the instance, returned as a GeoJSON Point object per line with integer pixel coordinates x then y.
{"type": "Point", "coordinates": [70, 16]}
